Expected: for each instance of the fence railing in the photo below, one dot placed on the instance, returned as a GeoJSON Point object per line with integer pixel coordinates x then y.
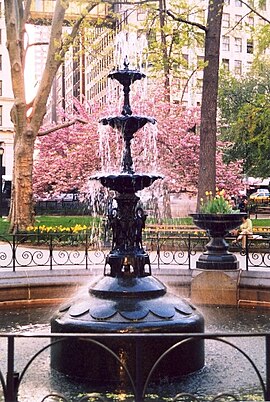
{"type": "Point", "coordinates": [57, 250]}
{"type": "Point", "coordinates": [14, 385]}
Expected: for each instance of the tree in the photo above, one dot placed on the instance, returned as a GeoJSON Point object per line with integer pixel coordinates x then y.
{"type": "Point", "coordinates": [167, 37]}
{"type": "Point", "coordinates": [244, 106]}
{"type": "Point", "coordinates": [208, 129]}
{"type": "Point", "coordinates": [28, 117]}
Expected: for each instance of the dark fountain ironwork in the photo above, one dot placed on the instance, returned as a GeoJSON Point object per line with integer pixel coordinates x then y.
{"type": "Point", "coordinates": [127, 298]}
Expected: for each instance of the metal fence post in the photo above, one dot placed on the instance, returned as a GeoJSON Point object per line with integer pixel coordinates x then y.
{"type": "Point", "coordinates": [247, 252]}
{"type": "Point", "coordinates": [14, 253]}
{"type": "Point", "coordinates": [12, 377]}
{"type": "Point", "coordinates": [189, 252]}
{"type": "Point", "coordinates": [51, 253]}
{"type": "Point", "coordinates": [138, 382]}
{"type": "Point", "coordinates": [267, 359]}
{"type": "Point", "coordinates": [86, 251]}
{"type": "Point", "coordinates": [158, 251]}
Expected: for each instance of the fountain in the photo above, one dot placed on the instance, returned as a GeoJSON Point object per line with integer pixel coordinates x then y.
{"type": "Point", "coordinates": [127, 298]}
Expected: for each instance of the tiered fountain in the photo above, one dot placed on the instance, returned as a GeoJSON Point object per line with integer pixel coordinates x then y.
{"type": "Point", "coordinates": [126, 299]}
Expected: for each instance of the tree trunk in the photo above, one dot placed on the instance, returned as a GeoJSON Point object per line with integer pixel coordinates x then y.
{"type": "Point", "coordinates": [208, 131]}
{"type": "Point", "coordinates": [22, 212]}
{"type": "Point", "coordinates": [27, 119]}
{"type": "Point", "coordinates": [164, 49]}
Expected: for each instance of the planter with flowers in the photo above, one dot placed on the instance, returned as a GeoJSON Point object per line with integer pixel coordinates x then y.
{"type": "Point", "coordinates": [218, 218]}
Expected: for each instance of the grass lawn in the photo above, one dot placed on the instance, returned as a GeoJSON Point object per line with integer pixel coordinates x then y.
{"type": "Point", "coordinates": [70, 221]}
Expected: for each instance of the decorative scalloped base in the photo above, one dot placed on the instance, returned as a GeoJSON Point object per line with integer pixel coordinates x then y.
{"type": "Point", "coordinates": [140, 305]}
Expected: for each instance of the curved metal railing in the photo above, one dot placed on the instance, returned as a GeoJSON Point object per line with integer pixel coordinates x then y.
{"type": "Point", "coordinates": [11, 385]}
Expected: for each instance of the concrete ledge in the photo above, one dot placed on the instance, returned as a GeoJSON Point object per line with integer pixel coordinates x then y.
{"type": "Point", "coordinates": [238, 288]}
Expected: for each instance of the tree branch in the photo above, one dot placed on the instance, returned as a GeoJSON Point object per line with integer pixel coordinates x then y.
{"type": "Point", "coordinates": [27, 7]}
{"type": "Point", "coordinates": [60, 126]}
{"type": "Point", "coordinates": [238, 22]}
{"type": "Point", "coordinates": [162, 142]}
{"type": "Point", "coordinates": [255, 11]}
{"type": "Point", "coordinates": [75, 30]}
{"type": "Point", "coordinates": [37, 44]}
{"type": "Point", "coordinates": [195, 24]}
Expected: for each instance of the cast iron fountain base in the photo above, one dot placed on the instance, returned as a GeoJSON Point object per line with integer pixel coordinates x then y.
{"type": "Point", "coordinates": [130, 305]}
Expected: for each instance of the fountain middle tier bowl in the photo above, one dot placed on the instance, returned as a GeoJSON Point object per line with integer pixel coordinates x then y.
{"type": "Point", "coordinates": [127, 183]}
{"type": "Point", "coordinates": [128, 125]}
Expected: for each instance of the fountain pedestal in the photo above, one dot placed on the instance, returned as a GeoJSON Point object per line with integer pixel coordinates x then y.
{"type": "Point", "coordinates": [127, 299]}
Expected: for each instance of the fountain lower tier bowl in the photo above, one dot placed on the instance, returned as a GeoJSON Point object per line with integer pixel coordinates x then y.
{"type": "Point", "coordinates": [127, 183]}
{"type": "Point", "coordinates": [142, 306]}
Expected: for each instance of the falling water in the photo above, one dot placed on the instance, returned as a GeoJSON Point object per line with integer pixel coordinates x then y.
{"type": "Point", "coordinates": [128, 44]}
{"type": "Point", "coordinates": [134, 47]}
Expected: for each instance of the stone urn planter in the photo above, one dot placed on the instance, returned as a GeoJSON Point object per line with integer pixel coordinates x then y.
{"type": "Point", "coordinates": [217, 256]}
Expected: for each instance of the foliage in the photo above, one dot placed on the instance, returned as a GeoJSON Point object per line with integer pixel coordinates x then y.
{"type": "Point", "coordinates": [220, 204]}
{"type": "Point", "coordinates": [244, 105]}
{"type": "Point", "coordinates": [168, 37]}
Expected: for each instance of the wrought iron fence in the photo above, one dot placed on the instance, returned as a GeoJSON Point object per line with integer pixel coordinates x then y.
{"type": "Point", "coordinates": [14, 385]}
{"type": "Point", "coordinates": [85, 250]}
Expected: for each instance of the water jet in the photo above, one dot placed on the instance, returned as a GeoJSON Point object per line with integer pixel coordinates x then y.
{"type": "Point", "coordinates": [127, 298]}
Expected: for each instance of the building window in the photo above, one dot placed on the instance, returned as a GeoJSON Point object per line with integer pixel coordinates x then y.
{"type": "Point", "coordinates": [226, 43]}
{"type": "Point", "coordinates": [199, 86]}
{"type": "Point", "coordinates": [200, 61]}
{"type": "Point", "coordinates": [249, 66]}
{"type": "Point", "coordinates": [238, 21]}
{"type": "Point", "coordinates": [263, 5]}
{"type": "Point", "coordinates": [238, 3]}
{"type": "Point", "coordinates": [238, 45]}
{"type": "Point", "coordinates": [226, 64]}
{"type": "Point", "coordinates": [184, 85]}
{"type": "Point", "coordinates": [185, 60]}
{"type": "Point", "coordinates": [1, 115]}
{"type": "Point", "coordinates": [140, 14]}
{"type": "Point", "coordinates": [251, 21]}
{"type": "Point", "coordinates": [200, 39]}
{"type": "Point", "coordinates": [1, 87]}
{"type": "Point", "coordinates": [0, 62]}
{"type": "Point", "coordinates": [238, 67]}
{"type": "Point", "coordinates": [226, 20]}
{"type": "Point", "coordinates": [250, 46]}
{"type": "Point", "coordinates": [201, 16]}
